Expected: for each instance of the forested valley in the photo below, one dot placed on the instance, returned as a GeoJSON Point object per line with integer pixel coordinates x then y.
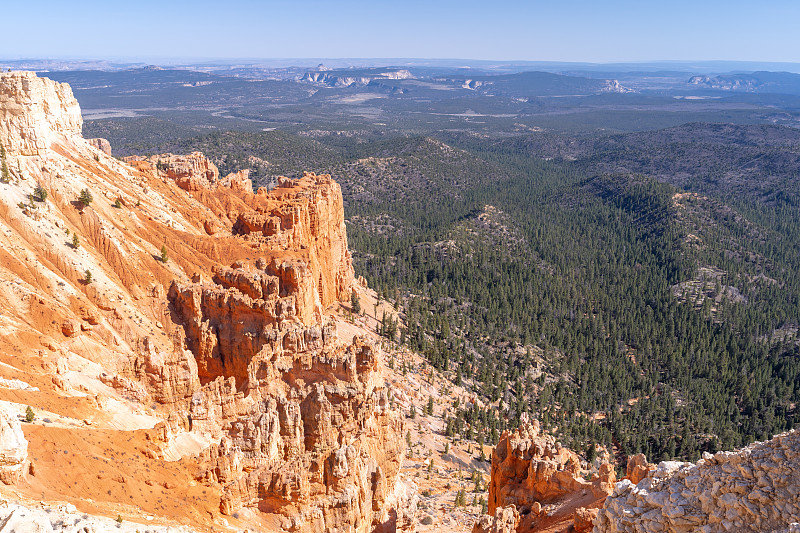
{"type": "Point", "coordinates": [617, 298]}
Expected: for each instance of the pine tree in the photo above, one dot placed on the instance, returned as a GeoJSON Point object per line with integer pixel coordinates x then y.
{"type": "Point", "coordinates": [355, 302]}
{"type": "Point", "coordinates": [85, 197]}
{"type": "Point", "coordinates": [29, 415]}
{"type": "Point", "coordinates": [461, 498]}
{"type": "Point", "coordinates": [477, 479]}
{"type": "Point", "coordinates": [591, 452]}
{"type": "Point", "coordinates": [39, 193]}
{"type": "Point", "coordinates": [164, 254]}
{"type": "Point", "coordinates": [76, 242]}
{"type": "Point", "coordinates": [88, 276]}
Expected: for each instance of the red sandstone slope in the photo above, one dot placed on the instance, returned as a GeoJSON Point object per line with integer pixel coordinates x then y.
{"type": "Point", "coordinates": [210, 383]}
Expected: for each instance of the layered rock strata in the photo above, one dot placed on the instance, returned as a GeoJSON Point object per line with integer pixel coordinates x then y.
{"type": "Point", "coordinates": [193, 172]}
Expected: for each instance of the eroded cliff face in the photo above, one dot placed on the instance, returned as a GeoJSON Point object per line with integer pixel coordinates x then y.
{"type": "Point", "coordinates": [753, 489]}
{"type": "Point", "coordinates": [216, 375]}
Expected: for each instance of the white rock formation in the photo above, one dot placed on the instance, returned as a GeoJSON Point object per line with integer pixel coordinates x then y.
{"type": "Point", "coordinates": [34, 112]}
{"type": "Point", "coordinates": [13, 448]}
{"type": "Point", "coordinates": [753, 489]}
{"type": "Point", "coordinates": [65, 518]}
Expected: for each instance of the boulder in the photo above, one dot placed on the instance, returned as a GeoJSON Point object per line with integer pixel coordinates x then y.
{"type": "Point", "coordinates": [70, 328]}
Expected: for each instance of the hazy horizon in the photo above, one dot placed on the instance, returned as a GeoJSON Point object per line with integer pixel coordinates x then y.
{"type": "Point", "coordinates": [114, 63]}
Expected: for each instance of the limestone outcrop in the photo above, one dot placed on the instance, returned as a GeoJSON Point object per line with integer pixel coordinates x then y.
{"type": "Point", "coordinates": [36, 112]}
{"type": "Point", "coordinates": [179, 331]}
{"type": "Point", "coordinates": [306, 214]}
{"type": "Point", "coordinates": [13, 448]}
{"type": "Point", "coordinates": [753, 489]}
{"type": "Point", "coordinates": [543, 481]}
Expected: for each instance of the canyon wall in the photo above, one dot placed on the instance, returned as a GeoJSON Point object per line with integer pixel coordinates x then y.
{"type": "Point", "coordinates": [182, 325]}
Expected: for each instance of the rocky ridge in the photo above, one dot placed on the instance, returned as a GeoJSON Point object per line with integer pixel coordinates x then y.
{"type": "Point", "coordinates": [177, 324]}
{"type": "Point", "coordinates": [753, 489]}
{"type": "Point", "coordinates": [537, 485]}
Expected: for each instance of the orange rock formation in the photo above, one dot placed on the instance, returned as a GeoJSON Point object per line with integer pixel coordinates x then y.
{"type": "Point", "coordinates": [544, 482]}
{"type": "Point", "coordinates": [217, 373]}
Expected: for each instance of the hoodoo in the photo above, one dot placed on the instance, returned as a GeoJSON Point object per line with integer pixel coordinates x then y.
{"type": "Point", "coordinates": [537, 484]}
{"type": "Point", "coordinates": [172, 334]}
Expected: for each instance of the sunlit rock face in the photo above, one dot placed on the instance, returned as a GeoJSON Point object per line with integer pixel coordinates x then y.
{"type": "Point", "coordinates": [181, 319]}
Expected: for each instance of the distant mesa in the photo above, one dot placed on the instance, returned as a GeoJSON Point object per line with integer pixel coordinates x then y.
{"type": "Point", "coordinates": [353, 77]}
{"type": "Point", "coordinates": [755, 82]}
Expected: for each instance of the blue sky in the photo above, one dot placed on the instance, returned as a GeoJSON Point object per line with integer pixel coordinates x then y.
{"type": "Point", "coordinates": [566, 30]}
